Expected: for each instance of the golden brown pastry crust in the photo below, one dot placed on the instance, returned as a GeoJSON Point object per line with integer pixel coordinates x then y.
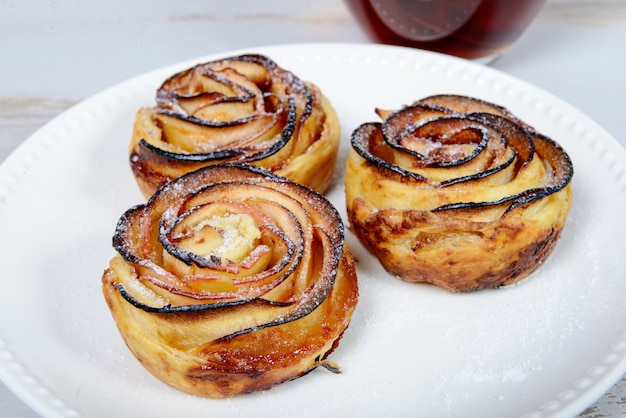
{"type": "Point", "coordinates": [243, 109]}
{"type": "Point", "coordinates": [214, 321]}
{"type": "Point", "coordinates": [457, 192]}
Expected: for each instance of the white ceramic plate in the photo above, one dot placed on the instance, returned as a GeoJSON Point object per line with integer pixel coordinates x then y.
{"type": "Point", "coordinates": [548, 346]}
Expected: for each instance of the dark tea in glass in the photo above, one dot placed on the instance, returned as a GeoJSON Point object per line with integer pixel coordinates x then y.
{"type": "Point", "coordinates": [465, 28]}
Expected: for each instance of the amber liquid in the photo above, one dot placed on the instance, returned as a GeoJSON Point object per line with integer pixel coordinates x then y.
{"type": "Point", "coordinates": [465, 28]}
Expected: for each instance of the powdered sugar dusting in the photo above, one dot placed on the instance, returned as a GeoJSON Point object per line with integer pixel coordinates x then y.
{"type": "Point", "coordinates": [482, 371]}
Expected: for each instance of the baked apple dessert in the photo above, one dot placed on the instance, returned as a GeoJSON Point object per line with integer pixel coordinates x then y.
{"type": "Point", "coordinates": [231, 279]}
{"type": "Point", "coordinates": [457, 192]}
{"type": "Point", "coordinates": [243, 109]}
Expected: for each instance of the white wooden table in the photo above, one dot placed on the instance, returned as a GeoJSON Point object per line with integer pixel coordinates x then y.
{"type": "Point", "coordinates": [54, 54]}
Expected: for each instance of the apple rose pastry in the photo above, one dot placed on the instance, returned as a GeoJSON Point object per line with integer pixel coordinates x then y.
{"type": "Point", "coordinates": [457, 192]}
{"type": "Point", "coordinates": [231, 280]}
{"type": "Point", "coordinates": [243, 109]}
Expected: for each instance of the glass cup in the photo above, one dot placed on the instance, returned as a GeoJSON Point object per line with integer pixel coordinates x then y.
{"type": "Point", "coordinates": [473, 29]}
